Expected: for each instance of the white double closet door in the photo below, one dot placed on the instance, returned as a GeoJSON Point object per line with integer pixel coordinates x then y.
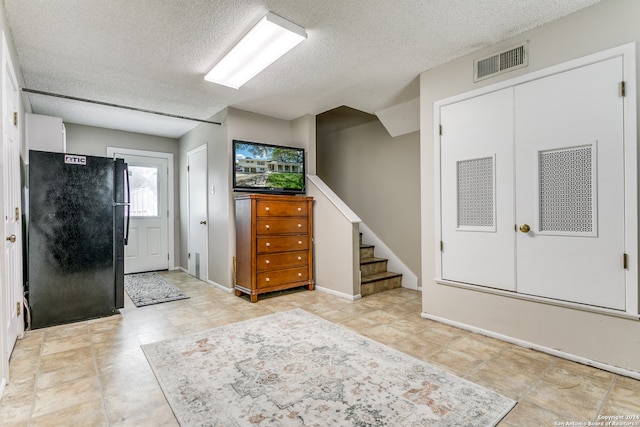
{"type": "Point", "coordinates": [532, 187]}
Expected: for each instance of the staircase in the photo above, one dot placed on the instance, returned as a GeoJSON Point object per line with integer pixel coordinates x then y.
{"type": "Point", "coordinates": [374, 276]}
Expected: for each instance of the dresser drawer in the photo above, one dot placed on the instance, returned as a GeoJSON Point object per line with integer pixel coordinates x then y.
{"type": "Point", "coordinates": [282, 260]}
{"type": "Point", "coordinates": [272, 244]}
{"type": "Point", "coordinates": [280, 277]}
{"type": "Point", "coordinates": [281, 208]}
{"type": "Point", "coordinates": [281, 226]}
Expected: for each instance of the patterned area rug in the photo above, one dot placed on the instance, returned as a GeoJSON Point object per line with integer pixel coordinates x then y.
{"type": "Point", "coordinates": [296, 369]}
{"type": "Point", "coordinates": [150, 288]}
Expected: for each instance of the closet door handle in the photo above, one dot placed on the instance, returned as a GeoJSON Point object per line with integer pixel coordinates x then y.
{"type": "Point", "coordinates": [525, 228]}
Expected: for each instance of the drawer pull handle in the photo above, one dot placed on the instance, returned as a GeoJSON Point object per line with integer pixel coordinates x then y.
{"type": "Point", "coordinates": [268, 244]}
{"type": "Point", "coordinates": [299, 209]}
{"type": "Point", "coordinates": [299, 242]}
{"type": "Point", "coordinates": [267, 279]}
{"type": "Point", "coordinates": [299, 258]}
{"type": "Point", "coordinates": [266, 208]}
{"type": "Point", "coordinates": [267, 262]}
{"type": "Point", "coordinates": [267, 226]}
{"type": "Point", "coordinates": [299, 225]}
{"type": "Point", "coordinates": [299, 274]}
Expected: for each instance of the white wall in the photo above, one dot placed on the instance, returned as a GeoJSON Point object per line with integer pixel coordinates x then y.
{"type": "Point", "coordinates": [597, 337]}
{"type": "Point", "coordinates": [336, 242]}
{"type": "Point", "coordinates": [304, 129]}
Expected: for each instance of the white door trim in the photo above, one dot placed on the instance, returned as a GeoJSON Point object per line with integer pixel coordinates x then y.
{"type": "Point", "coordinates": [628, 52]}
{"type": "Point", "coordinates": [111, 151]}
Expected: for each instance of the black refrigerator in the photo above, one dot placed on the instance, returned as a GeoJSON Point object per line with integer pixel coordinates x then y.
{"type": "Point", "coordinates": [78, 206]}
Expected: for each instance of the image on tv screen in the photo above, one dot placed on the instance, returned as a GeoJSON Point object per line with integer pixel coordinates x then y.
{"type": "Point", "coordinates": [270, 167]}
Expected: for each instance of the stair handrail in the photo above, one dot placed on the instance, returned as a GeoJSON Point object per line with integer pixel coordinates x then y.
{"type": "Point", "coordinates": [334, 198]}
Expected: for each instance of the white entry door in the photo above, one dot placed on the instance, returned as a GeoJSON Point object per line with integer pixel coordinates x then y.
{"type": "Point", "coordinates": [148, 243]}
{"type": "Point", "coordinates": [477, 191]}
{"type": "Point", "coordinates": [197, 245]}
{"type": "Point", "coordinates": [570, 186]}
{"type": "Point", "coordinates": [11, 280]}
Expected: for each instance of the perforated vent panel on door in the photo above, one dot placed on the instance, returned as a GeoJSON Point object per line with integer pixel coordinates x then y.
{"type": "Point", "coordinates": [476, 198]}
{"type": "Point", "coordinates": [567, 191]}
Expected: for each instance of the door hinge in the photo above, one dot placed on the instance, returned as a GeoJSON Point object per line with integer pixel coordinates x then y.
{"type": "Point", "coordinates": [440, 129]}
{"type": "Point", "coordinates": [189, 255]}
{"type": "Point", "coordinates": [625, 261]}
{"type": "Point", "coordinates": [17, 214]}
{"type": "Point", "coordinates": [18, 308]}
{"type": "Point", "coordinates": [441, 246]}
{"type": "Point", "coordinates": [623, 89]}
{"type": "Point", "coordinates": [188, 167]}
{"type": "Point", "coordinates": [167, 257]}
{"type": "Point", "coordinates": [15, 118]}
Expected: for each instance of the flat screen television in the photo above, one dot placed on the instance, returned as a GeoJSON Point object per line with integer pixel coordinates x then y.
{"type": "Point", "coordinates": [266, 168]}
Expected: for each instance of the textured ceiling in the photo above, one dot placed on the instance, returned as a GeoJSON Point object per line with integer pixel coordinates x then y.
{"type": "Point", "coordinates": [152, 54]}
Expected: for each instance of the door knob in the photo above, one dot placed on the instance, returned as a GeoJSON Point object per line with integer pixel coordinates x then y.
{"type": "Point", "coordinates": [203, 222]}
{"type": "Point", "coordinates": [12, 238]}
{"type": "Point", "coordinates": [525, 228]}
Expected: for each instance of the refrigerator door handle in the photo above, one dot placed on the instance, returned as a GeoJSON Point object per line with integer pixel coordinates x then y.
{"type": "Point", "coordinates": [128, 204]}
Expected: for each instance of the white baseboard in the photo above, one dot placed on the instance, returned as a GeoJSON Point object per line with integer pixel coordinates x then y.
{"type": "Point", "coordinates": [209, 282]}
{"type": "Point", "coordinates": [219, 286]}
{"type": "Point", "coordinates": [338, 294]}
{"type": "Point", "coordinates": [526, 344]}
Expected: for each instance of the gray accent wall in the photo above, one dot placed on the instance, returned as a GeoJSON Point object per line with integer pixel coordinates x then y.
{"type": "Point", "coordinates": [236, 124]}
{"type": "Point", "coordinates": [219, 224]}
{"type": "Point", "coordinates": [378, 177]}
{"type": "Point", "coordinates": [93, 141]}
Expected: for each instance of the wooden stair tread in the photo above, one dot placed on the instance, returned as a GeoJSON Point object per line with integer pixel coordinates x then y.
{"type": "Point", "coordinates": [371, 260]}
{"type": "Point", "coordinates": [379, 276]}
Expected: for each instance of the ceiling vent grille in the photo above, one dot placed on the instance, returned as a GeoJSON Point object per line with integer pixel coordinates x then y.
{"type": "Point", "coordinates": [501, 62]}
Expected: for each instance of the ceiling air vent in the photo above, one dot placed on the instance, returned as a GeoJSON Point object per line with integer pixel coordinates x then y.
{"type": "Point", "coordinates": [501, 62]}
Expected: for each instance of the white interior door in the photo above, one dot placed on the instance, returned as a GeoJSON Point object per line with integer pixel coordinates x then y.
{"type": "Point", "coordinates": [11, 291]}
{"type": "Point", "coordinates": [570, 186]}
{"type": "Point", "coordinates": [198, 230]}
{"type": "Point", "coordinates": [477, 190]}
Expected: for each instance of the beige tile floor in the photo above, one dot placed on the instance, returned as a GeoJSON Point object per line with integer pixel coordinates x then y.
{"type": "Point", "coordinates": [94, 373]}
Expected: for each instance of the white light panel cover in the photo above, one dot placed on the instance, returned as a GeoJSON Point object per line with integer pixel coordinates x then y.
{"type": "Point", "coordinates": [271, 38]}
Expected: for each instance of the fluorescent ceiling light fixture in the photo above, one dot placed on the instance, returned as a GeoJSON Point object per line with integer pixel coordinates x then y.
{"type": "Point", "coordinates": [271, 38]}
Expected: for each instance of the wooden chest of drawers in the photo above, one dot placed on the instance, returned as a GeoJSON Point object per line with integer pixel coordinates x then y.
{"type": "Point", "coordinates": [274, 243]}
